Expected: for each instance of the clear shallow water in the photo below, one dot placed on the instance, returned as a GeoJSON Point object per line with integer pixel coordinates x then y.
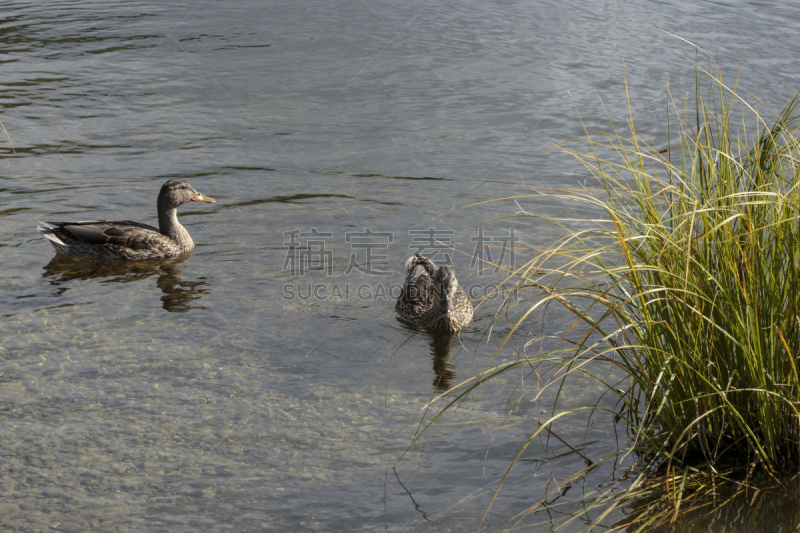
{"type": "Point", "coordinates": [175, 396]}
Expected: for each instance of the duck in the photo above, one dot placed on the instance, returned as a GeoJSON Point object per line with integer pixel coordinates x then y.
{"type": "Point", "coordinates": [126, 239]}
{"type": "Point", "coordinates": [432, 298]}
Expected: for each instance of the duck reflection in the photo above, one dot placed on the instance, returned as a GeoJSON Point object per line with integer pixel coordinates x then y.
{"type": "Point", "coordinates": [442, 354]}
{"type": "Point", "coordinates": [441, 345]}
{"type": "Point", "coordinates": [178, 294]}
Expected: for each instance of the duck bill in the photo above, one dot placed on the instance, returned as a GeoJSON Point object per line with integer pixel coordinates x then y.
{"type": "Point", "coordinates": [201, 198]}
{"type": "Point", "coordinates": [447, 303]}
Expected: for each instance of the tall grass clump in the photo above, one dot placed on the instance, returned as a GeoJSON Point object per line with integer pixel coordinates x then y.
{"type": "Point", "coordinates": [687, 287]}
{"type": "Point", "coordinates": [700, 267]}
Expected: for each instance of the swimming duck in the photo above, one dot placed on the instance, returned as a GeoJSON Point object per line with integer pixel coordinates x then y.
{"type": "Point", "coordinates": [125, 239]}
{"type": "Point", "coordinates": [432, 298]}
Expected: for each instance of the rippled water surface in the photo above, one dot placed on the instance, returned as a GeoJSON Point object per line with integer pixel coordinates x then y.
{"type": "Point", "coordinates": [214, 392]}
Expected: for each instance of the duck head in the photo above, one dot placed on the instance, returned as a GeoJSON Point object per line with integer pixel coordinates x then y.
{"type": "Point", "coordinates": [176, 192]}
{"type": "Point", "coordinates": [446, 286]}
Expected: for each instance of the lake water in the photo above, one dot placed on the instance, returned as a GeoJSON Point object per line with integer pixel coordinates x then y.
{"type": "Point", "coordinates": [264, 383]}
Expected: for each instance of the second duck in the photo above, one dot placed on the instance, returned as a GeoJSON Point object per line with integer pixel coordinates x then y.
{"type": "Point", "coordinates": [431, 297]}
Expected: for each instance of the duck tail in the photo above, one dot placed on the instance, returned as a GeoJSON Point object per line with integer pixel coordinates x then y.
{"type": "Point", "coordinates": [46, 229]}
{"type": "Point", "coordinates": [418, 260]}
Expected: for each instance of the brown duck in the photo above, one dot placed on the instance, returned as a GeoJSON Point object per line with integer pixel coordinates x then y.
{"type": "Point", "coordinates": [431, 297]}
{"type": "Point", "coordinates": [126, 239]}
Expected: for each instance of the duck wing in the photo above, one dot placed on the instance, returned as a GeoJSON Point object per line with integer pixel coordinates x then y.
{"type": "Point", "coordinates": [122, 233]}
{"type": "Point", "coordinates": [109, 223]}
{"type": "Point", "coordinates": [417, 295]}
